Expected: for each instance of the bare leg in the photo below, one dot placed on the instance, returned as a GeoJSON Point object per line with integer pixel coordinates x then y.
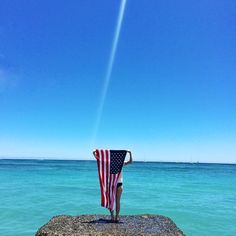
{"type": "Point", "coordinates": [112, 215]}
{"type": "Point", "coordinates": [118, 196]}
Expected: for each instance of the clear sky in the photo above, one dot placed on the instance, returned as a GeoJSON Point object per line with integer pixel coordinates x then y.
{"type": "Point", "coordinates": [172, 90]}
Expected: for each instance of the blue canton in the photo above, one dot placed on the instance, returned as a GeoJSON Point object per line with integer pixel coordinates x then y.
{"type": "Point", "coordinates": [116, 161]}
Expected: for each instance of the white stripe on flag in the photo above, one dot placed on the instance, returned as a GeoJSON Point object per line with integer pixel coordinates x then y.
{"type": "Point", "coordinates": [108, 183]}
{"type": "Point", "coordinates": [111, 178]}
{"type": "Point", "coordinates": [104, 181]}
{"type": "Point", "coordinates": [115, 178]}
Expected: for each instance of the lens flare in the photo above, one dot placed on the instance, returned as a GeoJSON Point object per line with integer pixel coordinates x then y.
{"type": "Point", "coordinates": [109, 69]}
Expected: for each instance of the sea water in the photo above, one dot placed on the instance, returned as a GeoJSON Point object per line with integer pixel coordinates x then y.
{"type": "Point", "coordinates": [199, 198]}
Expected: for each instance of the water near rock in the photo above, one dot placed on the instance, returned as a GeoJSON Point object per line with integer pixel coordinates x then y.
{"type": "Point", "coordinates": [98, 225]}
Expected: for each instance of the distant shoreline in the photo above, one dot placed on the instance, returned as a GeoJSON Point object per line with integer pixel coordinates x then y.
{"type": "Point", "coordinates": [78, 160]}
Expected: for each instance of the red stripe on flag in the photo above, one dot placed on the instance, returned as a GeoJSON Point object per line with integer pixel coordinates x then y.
{"type": "Point", "coordinates": [102, 161]}
{"type": "Point", "coordinates": [107, 177]}
{"type": "Point", "coordinates": [113, 191]}
{"type": "Point", "coordinates": [99, 171]}
{"type": "Point", "coordinates": [111, 188]}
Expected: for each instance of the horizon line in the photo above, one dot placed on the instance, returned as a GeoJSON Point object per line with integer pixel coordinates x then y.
{"type": "Point", "coordinates": [149, 161]}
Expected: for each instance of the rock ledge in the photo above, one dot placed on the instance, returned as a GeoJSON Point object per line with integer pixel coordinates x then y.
{"type": "Point", "coordinates": [97, 225]}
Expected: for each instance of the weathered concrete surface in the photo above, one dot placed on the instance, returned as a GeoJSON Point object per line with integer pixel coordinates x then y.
{"type": "Point", "coordinates": [97, 225]}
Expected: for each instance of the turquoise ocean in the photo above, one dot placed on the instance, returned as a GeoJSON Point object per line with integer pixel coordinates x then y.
{"type": "Point", "coordinates": [200, 198]}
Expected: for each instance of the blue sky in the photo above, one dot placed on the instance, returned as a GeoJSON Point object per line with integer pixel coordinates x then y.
{"type": "Point", "coordinates": [171, 95]}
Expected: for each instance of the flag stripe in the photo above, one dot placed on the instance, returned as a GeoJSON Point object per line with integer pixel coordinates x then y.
{"type": "Point", "coordinates": [111, 184]}
{"type": "Point", "coordinates": [104, 177]}
{"type": "Point", "coordinates": [115, 179]}
{"type": "Point", "coordinates": [107, 184]}
{"type": "Point", "coordinates": [99, 172]}
{"type": "Point", "coordinates": [112, 192]}
{"type": "Point", "coordinates": [103, 180]}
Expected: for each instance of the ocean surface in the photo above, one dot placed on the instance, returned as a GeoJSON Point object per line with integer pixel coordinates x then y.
{"type": "Point", "coordinates": [200, 198]}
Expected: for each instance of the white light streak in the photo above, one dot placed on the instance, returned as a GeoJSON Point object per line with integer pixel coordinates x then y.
{"type": "Point", "coordinates": [109, 69]}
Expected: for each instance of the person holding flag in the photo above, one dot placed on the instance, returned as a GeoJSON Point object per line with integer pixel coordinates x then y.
{"type": "Point", "coordinates": [110, 164]}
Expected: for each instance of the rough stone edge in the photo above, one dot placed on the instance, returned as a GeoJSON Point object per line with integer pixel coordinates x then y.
{"type": "Point", "coordinates": [98, 215]}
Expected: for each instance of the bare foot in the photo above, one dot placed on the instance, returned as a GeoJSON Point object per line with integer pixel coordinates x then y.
{"type": "Point", "coordinates": [117, 219]}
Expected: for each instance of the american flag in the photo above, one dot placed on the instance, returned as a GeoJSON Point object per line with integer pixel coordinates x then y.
{"type": "Point", "coordinates": [110, 163]}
